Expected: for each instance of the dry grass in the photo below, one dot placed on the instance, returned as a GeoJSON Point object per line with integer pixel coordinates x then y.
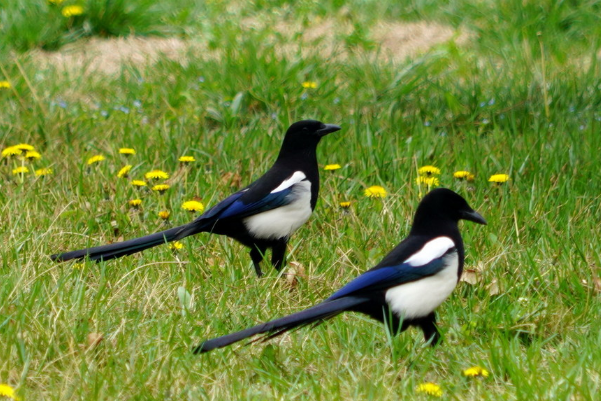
{"type": "Point", "coordinates": [392, 41]}
{"type": "Point", "coordinates": [108, 56]}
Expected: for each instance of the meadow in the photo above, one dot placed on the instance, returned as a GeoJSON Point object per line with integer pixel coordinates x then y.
{"type": "Point", "coordinates": [488, 87]}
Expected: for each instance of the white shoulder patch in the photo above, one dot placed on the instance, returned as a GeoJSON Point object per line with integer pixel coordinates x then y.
{"type": "Point", "coordinates": [431, 250]}
{"type": "Point", "coordinates": [295, 178]}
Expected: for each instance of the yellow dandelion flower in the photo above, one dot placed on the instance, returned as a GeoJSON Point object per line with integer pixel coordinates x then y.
{"type": "Point", "coordinates": [78, 266]}
{"type": "Point", "coordinates": [43, 171]}
{"type": "Point", "coordinates": [476, 371]}
{"type": "Point", "coordinates": [428, 170]}
{"type": "Point", "coordinates": [160, 188]}
{"type": "Point", "coordinates": [72, 11]}
{"type": "Point", "coordinates": [124, 172]}
{"type": "Point", "coordinates": [499, 178]}
{"type": "Point", "coordinates": [11, 151]}
{"type": "Point", "coordinates": [164, 214]}
{"type": "Point", "coordinates": [464, 175]}
{"type": "Point", "coordinates": [95, 159]}
{"type": "Point", "coordinates": [430, 389]}
{"type": "Point", "coordinates": [429, 181]}
{"type": "Point", "coordinates": [127, 151]}
{"type": "Point", "coordinates": [5, 85]}
{"type": "Point", "coordinates": [7, 391]}
{"type": "Point", "coordinates": [135, 202]}
{"type": "Point", "coordinates": [332, 167]}
{"type": "Point", "coordinates": [33, 155]}
{"type": "Point", "coordinates": [309, 84]}
{"type": "Point", "coordinates": [156, 175]}
{"type": "Point", "coordinates": [24, 146]}
{"type": "Point", "coordinates": [20, 170]}
{"type": "Point", "coordinates": [375, 191]}
{"type": "Point", "coordinates": [345, 205]}
{"type": "Point", "coordinates": [138, 183]}
{"type": "Point", "coordinates": [176, 246]}
{"type": "Point", "coordinates": [193, 206]}
{"type": "Point", "coordinates": [187, 159]}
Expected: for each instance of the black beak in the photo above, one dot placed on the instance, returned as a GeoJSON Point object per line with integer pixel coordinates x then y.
{"type": "Point", "coordinates": [327, 129]}
{"type": "Point", "coordinates": [473, 216]}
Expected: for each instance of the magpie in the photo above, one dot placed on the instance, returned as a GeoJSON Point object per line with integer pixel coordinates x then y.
{"type": "Point", "coordinates": [402, 290]}
{"type": "Point", "coordinates": [263, 215]}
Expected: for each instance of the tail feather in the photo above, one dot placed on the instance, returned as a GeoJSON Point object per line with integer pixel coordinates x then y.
{"type": "Point", "coordinates": [315, 314]}
{"type": "Point", "coordinates": [118, 249]}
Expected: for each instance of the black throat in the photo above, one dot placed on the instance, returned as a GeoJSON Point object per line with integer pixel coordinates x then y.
{"type": "Point", "coordinates": [440, 226]}
{"type": "Point", "coordinates": [300, 156]}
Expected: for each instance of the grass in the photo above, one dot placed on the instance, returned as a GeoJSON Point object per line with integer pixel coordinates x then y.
{"type": "Point", "coordinates": [531, 316]}
{"type": "Point", "coordinates": [106, 18]}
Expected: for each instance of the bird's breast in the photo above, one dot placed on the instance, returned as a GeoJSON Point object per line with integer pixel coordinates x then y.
{"type": "Point", "coordinates": [284, 220]}
{"type": "Point", "coordinates": [420, 298]}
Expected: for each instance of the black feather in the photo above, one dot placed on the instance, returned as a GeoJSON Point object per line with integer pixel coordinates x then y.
{"type": "Point", "coordinates": [315, 314]}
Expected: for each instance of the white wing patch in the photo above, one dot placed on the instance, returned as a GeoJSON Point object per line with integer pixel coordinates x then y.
{"type": "Point", "coordinates": [433, 249]}
{"type": "Point", "coordinates": [420, 298]}
{"type": "Point", "coordinates": [295, 178]}
{"type": "Point", "coordinates": [284, 220]}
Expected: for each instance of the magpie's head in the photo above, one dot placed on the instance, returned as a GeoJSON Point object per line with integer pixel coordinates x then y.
{"type": "Point", "coordinates": [446, 204]}
{"type": "Point", "coordinates": [309, 131]}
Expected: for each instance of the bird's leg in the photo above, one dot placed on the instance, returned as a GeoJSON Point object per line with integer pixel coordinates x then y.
{"type": "Point", "coordinates": [428, 326]}
{"type": "Point", "coordinates": [278, 254]}
{"type": "Point", "coordinates": [256, 254]}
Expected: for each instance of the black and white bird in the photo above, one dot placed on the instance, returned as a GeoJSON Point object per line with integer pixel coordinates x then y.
{"type": "Point", "coordinates": [404, 289]}
{"type": "Point", "coordinates": [263, 215]}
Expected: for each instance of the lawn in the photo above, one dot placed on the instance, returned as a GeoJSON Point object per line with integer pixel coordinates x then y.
{"type": "Point", "coordinates": [489, 87]}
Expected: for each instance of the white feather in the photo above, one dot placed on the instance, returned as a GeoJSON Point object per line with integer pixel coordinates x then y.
{"type": "Point", "coordinates": [420, 298]}
{"type": "Point", "coordinates": [295, 178]}
{"type": "Point", "coordinates": [283, 221]}
{"type": "Point", "coordinates": [433, 249]}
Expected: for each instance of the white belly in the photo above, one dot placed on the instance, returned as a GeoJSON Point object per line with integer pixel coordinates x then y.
{"type": "Point", "coordinates": [420, 298]}
{"type": "Point", "coordinates": [283, 221]}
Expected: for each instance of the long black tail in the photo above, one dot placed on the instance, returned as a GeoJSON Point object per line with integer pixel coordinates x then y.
{"type": "Point", "coordinates": [116, 250]}
{"type": "Point", "coordinates": [315, 314]}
